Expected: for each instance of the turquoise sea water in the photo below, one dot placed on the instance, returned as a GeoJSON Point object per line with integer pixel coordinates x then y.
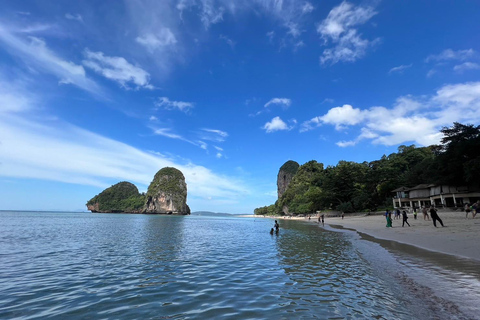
{"type": "Point", "coordinates": [117, 266]}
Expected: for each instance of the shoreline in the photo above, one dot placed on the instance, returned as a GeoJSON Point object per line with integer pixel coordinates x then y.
{"type": "Point", "coordinates": [460, 237]}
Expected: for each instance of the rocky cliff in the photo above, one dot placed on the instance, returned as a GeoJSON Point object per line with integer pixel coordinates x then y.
{"type": "Point", "coordinates": [167, 193]}
{"type": "Point", "coordinates": [285, 175]}
{"type": "Point", "coordinates": [121, 197]}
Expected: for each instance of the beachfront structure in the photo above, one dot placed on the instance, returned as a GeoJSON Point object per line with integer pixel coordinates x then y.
{"type": "Point", "coordinates": [432, 194]}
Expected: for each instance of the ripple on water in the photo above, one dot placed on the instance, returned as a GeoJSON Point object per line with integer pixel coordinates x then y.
{"type": "Point", "coordinates": [135, 266]}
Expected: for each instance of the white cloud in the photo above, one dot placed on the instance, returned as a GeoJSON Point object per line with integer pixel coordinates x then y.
{"type": "Point", "coordinates": [276, 124]}
{"type": "Point", "coordinates": [218, 148]}
{"type": "Point", "coordinates": [229, 41]}
{"type": "Point", "coordinates": [14, 97]}
{"type": "Point", "coordinates": [117, 69]}
{"type": "Point", "coordinates": [466, 66]}
{"type": "Point", "coordinates": [166, 103]}
{"type": "Point", "coordinates": [344, 144]}
{"type": "Point", "coordinates": [210, 14]}
{"type": "Point", "coordinates": [310, 124]}
{"type": "Point", "coordinates": [450, 54]}
{"type": "Point", "coordinates": [36, 55]}
{"type": "Point", "coordinates": [410, 119]}
{"type": "Point", "coordinates": [76, 17]}
{"type": "Point", "coordinates": [343, 116]}
{"type": "Point", "coordinates": [153, 118]}
{"type": "Point", "coordinates": [400, 68]}
{"type": "Point", "coordinates": [307, 7]}
{"type": "Point", "coordinates": [166, 133]}
{"type": "Point", "coordinates": [61, 152]}
{"type": "Point", "coordinates": [338, 28]}
{"type": "Point", "coordinates": [164, 38]}
{"type": "Point", "coordinates": [279, 101]}
{"type": "Point", "coordinates": [213, 135]}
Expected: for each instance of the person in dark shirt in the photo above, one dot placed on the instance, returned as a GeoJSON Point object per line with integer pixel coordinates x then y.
{"type": "Point", "coordinates": [405, 218]}
{"type": "Point", "coordinates": [435, 217]}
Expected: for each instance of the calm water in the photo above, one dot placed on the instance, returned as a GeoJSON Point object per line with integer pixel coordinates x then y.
{"type": "Point", "coordinates": [113, 266]}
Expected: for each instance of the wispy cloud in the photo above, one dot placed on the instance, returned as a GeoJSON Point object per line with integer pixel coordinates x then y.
{"type": "Point", "coordinates": [466, 66]}
{"type": "Point", "coordinates": [307, 7]}
{"type": "Point", "coordinates": [163, 38]}
{"type": "Point", "coordinates": [340, 28]}
{"type": "Point", "coordinates": [76, 17]}
{"type": "Point", "coordinates": [228, 41]}
{"type": "Point", "coordinates": [117, 69]}
{"type": "Point", "coordinates": [35, 53]}
{"type": "Point", "coordinates": [410, 119]}
{"type": "Point", "coordinates": [285, 102]}
{"type": "Point", "coordinates": [62, 152]}
{"type": "Point", "coordinates": [449, 54]}
{"type": "Point", "coordinates": [213, 135]}
{"type": "Point", "coordinates": [400, 69]}
{"type": "Point", "coordinates": [166, 103]}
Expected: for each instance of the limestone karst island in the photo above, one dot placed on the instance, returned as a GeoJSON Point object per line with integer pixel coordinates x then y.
{"type": "Point", "coordinates": [167, 194]}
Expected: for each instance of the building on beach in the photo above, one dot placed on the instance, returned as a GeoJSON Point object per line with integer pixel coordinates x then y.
{"type": "Point", "coordinates": [432, 194]}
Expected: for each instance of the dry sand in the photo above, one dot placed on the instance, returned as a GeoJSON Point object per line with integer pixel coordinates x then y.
{"type": "Point", "coordinates": [460, 236]}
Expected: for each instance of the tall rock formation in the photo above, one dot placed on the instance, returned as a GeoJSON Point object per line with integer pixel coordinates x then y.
{"type": "Point", "coordinates": [167, 193]}
{"type": "Point", "coordinates": [285, 175]}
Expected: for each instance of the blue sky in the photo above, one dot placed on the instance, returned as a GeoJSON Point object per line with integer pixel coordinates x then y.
{"type": "Point", "coordinates": [97, 92]}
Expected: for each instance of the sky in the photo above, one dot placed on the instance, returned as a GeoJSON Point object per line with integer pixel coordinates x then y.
{"type": "Point", "coordinates": [97, 92]}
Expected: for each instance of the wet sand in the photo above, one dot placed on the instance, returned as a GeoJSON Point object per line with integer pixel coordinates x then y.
{"type": "Point", "coordinates": [459, 237]}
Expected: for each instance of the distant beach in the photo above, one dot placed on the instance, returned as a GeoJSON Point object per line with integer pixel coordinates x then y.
{"type": "Point", "coordinates": [459, 237]}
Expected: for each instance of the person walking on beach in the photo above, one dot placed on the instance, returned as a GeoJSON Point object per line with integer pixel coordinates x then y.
{"type": "Point", "coordinates": [405, 218]}
{"type": "Point", "coordinates": [435, 217]}
{"type": "Point", "coordinates": [425, 214]}
{"type": "Point", "coordinates": [389, 220]}
{"type": "Point", "coordinates": [475, 208]}
{"type": "Point", "coordinates": [467, 210]}
{"type": "Point", "coordinates": [323, 219]}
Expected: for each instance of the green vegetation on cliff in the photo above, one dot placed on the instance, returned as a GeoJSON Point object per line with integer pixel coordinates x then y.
{"type": "Point", "coordinates": [167, 194]}
{"type": "Point", "coordinates": [290, 167]}
{"type": "Point", "coordinates": [367, 186]}
{"type": "Point", "coordinates": [121, 197]}
{"type": "Point", "coordinates": [167, 180]}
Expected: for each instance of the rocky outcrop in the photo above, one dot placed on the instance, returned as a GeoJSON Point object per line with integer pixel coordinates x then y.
{"type": "Point", "coordinates": [285, 175]}
{"type": "Point", "coordinates": [167, 193]}
{"type": "Point", "coordinates": [121, 197]}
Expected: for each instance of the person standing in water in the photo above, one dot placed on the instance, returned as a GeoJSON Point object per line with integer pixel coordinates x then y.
{"type": "Point", "coordinates": [276, 226]}
{"type": "Point", "coordinates": [435, 217]}
{"type": "Point", "coordinates": [405, 218]}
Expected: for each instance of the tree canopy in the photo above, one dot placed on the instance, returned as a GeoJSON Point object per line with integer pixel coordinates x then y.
{"type": "Point", "coordinates": [351, 186]}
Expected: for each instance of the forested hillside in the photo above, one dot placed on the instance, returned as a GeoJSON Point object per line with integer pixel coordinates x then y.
{"type": "Point", "coordinates": [367, 186]}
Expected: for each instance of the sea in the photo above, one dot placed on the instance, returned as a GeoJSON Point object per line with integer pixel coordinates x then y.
{"type": "Point", "coordinates": [61, 265]}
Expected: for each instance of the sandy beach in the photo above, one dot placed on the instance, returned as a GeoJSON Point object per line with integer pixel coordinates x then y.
{"type": "Point", "coordinates": [459, 237]}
